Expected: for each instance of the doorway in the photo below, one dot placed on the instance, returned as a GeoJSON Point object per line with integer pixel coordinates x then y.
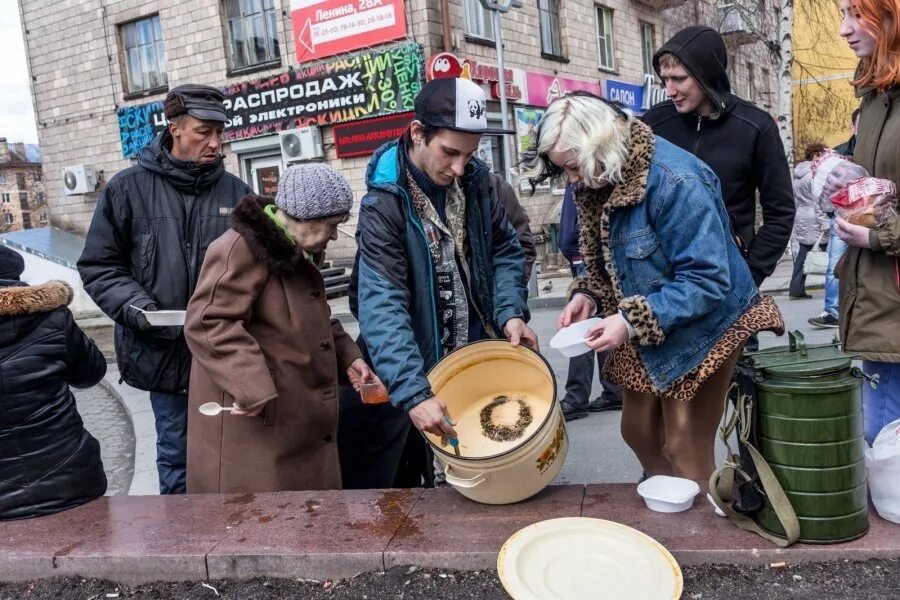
{"type": "Point", "coordinates": [265, 172]}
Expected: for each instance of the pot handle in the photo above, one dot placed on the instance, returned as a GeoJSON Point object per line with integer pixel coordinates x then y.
{"type": "Point", "coordinates": [465, 483]}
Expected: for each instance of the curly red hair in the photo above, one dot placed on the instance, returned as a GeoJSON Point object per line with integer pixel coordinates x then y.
{"type": "Point", "coordinates": [881, 20]}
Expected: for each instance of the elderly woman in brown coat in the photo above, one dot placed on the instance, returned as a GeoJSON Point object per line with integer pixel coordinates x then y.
{"type": "Point", "coordinates": [264, 343]}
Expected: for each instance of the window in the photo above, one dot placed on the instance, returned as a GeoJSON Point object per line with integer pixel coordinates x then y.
{"type": "Point", "coordinates": [751, 83]}
{"type": "Point", "coordinates": [252, 32]}
{"type": "Point", "coordinates": [5, 198]}
{"type": "Point", "coordinates": [479, 21]}
{"type": "Point", "coordinates": [43, 217]}
{"type": "Point", "coordinates": [647, 49]}
{"type": "Point", "coordinates": [766, 99]}
{"type": "Point", "coordinates": [38, 176]}
{"type": "Point", "coordinates": [8, 218]}
{"type": "Point", "coordinates": [551, 38]}
{"type": "Point", "coordinates": [23, 200]}
{"type": "Point", "coordinates": [20, 181]}
{"type": "Point", "coordinates": [2, 178]}
{"type": "Point", "coordinates": [26, 220]}
{"type": "Point", "coordinates": [605, 38]}
{"type": "Point", "coordinates": [145, 58]}
{"type": "Point", "coordinates": [39, 198]}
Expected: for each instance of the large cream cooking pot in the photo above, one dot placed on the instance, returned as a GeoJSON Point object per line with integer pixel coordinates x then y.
{"type": "Point", "coordinates": [512, 435]}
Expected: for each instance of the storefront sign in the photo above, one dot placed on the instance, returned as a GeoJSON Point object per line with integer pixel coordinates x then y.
{"type": "Point", "coordinates": [544, 89]}
{"type": "Point", "coordinates": [628, 95]}
{"type": "Point", "coordinates": [361, 138]}
{"type": "Point", "coordinates": [324, 28]}
{"type": "Point", "coordinates": [138, 125]}
{"type": "Point", "coordinates": [490, 75]}
{"type": "Point", "coordinates": [363, 85]}
{"type": "Point", "coordinates": [653, 94]}
{"type": "Point", "coordinates": [527, 120]}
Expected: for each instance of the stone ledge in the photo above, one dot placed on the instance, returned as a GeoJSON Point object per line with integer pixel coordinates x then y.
{"type": "Point", "coordinates": [336, 534]}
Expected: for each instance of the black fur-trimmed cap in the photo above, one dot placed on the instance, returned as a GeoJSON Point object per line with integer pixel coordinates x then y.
{"type": "Point", "coordinates": [199, 101]}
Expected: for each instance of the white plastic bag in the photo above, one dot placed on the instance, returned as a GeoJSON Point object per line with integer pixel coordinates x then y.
{"type": "Point", "coordinates": [883, 471]}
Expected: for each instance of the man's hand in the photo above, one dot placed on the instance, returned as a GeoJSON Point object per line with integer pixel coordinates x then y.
{"type": "Point", "coordinates": [359, 372]}
{"type": "Point", "coordinates": [136, 319]}
{"type": "Point", "coordinates": [609, 333]}
{"type": "Point", "coordinates": [519, 332]}
{"type": "Point", "coordinates": [579, 308]}
{"type": "Point", "coordinates": [432, 416]}
{"type": "Point", "coordinates": [854, 235]}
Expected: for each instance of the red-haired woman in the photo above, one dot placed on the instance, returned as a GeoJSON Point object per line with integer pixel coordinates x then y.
{"type": "Point", "coordinates": [870, 272]}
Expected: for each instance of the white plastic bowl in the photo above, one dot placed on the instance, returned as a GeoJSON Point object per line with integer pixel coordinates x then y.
{"type": "Point", "coordinates": [668, 494]}
{"type": "Point", "coordinates": [164, 318]}
{"type": "Point", "coordinates": [570, 340]}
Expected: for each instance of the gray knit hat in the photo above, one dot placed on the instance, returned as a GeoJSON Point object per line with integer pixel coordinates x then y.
{"type": "Point", "coordinates": [313, 191]}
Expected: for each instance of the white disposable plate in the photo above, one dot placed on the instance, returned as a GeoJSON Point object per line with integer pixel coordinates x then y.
{"type": "Point", "coordinates": [570, 340]}
{"type": "Point", "coordinates": [580, 558]}
{"type": "Point", "coordinates": [164, 318]}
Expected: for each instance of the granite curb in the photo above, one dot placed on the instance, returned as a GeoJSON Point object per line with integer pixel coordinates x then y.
{"type": "Point", "coordinates": [145, 480]}
{"type": "Point", "coordinates": [337, 534]}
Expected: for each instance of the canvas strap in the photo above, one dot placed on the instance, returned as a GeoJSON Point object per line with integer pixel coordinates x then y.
{"type": "Point", "coordinates": [721, 484]}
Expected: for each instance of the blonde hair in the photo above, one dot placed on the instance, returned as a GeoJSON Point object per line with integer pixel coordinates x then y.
{"type": "Point", "coordinates": [597, 131]}
{"type": "Point", "coordinates": [668, 61]}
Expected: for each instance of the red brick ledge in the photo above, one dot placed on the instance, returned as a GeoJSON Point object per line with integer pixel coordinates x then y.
{"type": "Point", "coordinates": [337, 534]}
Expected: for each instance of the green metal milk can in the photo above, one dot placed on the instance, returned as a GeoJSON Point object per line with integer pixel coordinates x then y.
{"type": "Point", "coordinates": [810, 428]}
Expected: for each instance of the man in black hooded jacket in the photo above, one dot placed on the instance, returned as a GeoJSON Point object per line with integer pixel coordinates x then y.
{"type": "Point", "coordinates": [739, 142]}
{"type": "Point", "coordinates": [144, 249]}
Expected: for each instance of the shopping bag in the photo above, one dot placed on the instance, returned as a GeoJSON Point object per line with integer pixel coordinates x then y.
{"type": "Point", "coordinates": [883, 472]}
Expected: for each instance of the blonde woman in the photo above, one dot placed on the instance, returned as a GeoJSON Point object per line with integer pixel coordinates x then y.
{"type": "Point", "coordinates": [677, 299]}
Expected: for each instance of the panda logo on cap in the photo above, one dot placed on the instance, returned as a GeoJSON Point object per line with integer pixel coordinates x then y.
{"type": "Point", "coordinates": [476, 109]}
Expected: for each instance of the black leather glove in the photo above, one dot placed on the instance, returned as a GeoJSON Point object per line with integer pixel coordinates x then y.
{"type": "Point", "coordinates": [136, 319]}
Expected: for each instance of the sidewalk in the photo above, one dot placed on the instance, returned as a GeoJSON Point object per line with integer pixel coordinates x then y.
{"type": "Point", "coordinates": [337, 534]}
{"type": "Point", "coordinates": [553, 288]}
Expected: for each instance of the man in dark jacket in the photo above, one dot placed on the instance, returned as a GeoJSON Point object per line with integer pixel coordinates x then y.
{"type": "Point", "coordinates": [438, 265]}
{"type": "Point", "coordinates": [739, 141]}
{"type": "Point", "coordinates": [150, 231]}
{"type": "Point", "coordinates": [48, 460]}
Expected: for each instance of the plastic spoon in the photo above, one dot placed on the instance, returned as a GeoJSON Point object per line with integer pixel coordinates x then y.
{"type": "Point", "coordinates": [211, 409]}
{"type": "Point", "coordinates": [453, 441]}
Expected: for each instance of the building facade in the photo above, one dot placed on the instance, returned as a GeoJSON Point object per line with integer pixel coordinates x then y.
{"type": "Point", "coordinates": [23, 201]}
{"type": "Point", "coordinates": [351, 68]}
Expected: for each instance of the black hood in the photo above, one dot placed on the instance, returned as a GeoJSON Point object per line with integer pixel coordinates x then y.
{"type": "Point", "coordinates": [702, 52]}
{"type": "Point", "coordinates": [186, 176]}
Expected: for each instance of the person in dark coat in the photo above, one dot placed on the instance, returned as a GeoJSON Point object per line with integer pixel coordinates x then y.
{"type": "Point", "coordinates": [48, 460]}
{"type": "Point", "coordinates": [150, 232]}
{"type": "Point", "coordinates": [738, 141]}
{"type": "Point", "coordinates": [576, 404]}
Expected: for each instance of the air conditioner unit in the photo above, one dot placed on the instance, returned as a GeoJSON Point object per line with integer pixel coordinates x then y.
{"type": "Point", "coordinates": [304, 143]}
{"type": "Point", "coordinates": [79, 179]}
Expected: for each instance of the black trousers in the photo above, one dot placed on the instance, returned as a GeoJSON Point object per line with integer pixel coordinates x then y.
{"type": "Point", "coordinates": [581, 379]}
{"type": "Point", "coordinates": [798, 277]}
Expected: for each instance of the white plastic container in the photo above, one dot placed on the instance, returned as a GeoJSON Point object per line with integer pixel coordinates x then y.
{"type": "Point", "coordinates": [569, 341]}
{"type": "Point", "coordinates": [668, 494]}
{"type": "Point", "coordinates": [164, 318]}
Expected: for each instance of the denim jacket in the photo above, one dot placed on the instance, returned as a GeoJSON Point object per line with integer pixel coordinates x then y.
{"type": "Point", "coordinates": [674, 270]}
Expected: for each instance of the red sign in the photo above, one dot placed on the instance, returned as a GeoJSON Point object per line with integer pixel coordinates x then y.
{"type": "Point", "coordinates": [361, 138]}
{"type": "Point", "coordinates": [328, 27]}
